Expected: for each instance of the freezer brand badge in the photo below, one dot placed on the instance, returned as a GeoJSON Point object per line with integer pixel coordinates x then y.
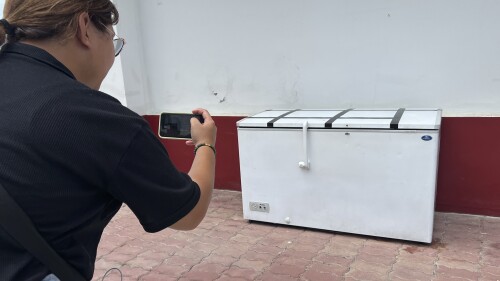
{"type": "Point", "coordinates": [426, 138]}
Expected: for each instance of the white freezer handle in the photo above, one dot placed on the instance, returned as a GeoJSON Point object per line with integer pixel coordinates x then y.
{"type": "Point", "coordinates": [304, 164]}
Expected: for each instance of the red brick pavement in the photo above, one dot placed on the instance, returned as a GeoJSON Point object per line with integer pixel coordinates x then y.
{"type": "Point", "coordinates": [225, 247]}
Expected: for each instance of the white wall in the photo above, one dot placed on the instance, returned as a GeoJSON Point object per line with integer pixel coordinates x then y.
{"type": "Point", "coordinates": [263, 54]}
{"type": "Point", "coordinates": [113, 83]}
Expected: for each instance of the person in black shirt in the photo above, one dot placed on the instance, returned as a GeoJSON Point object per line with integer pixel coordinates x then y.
{"type": "Point", "coordinates": [71, 155]}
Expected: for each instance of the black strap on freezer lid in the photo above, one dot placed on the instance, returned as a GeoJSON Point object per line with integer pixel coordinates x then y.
{"type": "Point", "coordinates": [330, 121]}
{"type": "Point", "coordinates": [270, 124]}
{"type": "Point", "coordinates": [397, 117]}
{"type": "Point", "coordinates": [20, 227]}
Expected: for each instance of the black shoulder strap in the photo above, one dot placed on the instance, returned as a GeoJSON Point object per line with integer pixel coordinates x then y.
{"type": "Point", "coordinates": [18, 225]}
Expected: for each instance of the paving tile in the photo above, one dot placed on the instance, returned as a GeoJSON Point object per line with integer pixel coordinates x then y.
{"type": "Point", "coordinates": [490, 252]}
{"type": "Point", "coordinates": [195, 255]}
{"type": "Point", "coordinates": [226, 247]}
{"type": "Point", "coordinates": [256, 232]}
{"type": "Point", "coordinates": [202, 247]}
{"type": "Point", "coordinates": [232, 249]}
{"type": "Point", "coordinates": [333, 270]}
{"type": "Point", "coordinates": [171, 270]}
{"type": "Point", "coordinates": [134, 232]}
{"type": "Point", "coordinates": [375, 268]}
{"type": "Point", "coordinates": [178, 260]}
{"type": "Point", "coordinates": [457, 272]}
{"type": "Point", "coordinates": [410, 265]}
{"type": "Point", "coordinates": [210, 267]}
{"type": "Point", "coordinates": [271, 276]}
{"type": "Point", "coordinates": [222, 213]}
{"type": "Point", "coordinates": [104, 264]}
{"type": "Point", "coordinates": [406, 273]}
{"type": "Point", "coordinates": [235, 272]}
{"type": "Point", "coordinates": [465, 245]}
{"type": "Point", "coordinates": [257, 265]}
{"type": "Point", "coordinates": [492, 237]}
{"type": "Point", "coordinates": [382, 244]}
{"type": "Point", "coordinates": [245, 238]}
{"type": "Point", "coordinates": [224, 260]}
{"type": "Point", "coordinates": [471, 257]}
{"type": "Point", "coordinates": [489, 277]}
{"type": "Point", "coordinates": [313, 275]}
{"type": "Point", "coordinates": [292, 261]}
{"type": "Point", "coordinates": [275, 241]}
{"type": "Point", "coordinates": [217, 233]}
{"type": "Point", "coordinates": [230, 226]}
{"type": "Point", "coordinates": [287, 269]}
{"type": "Point", "coordinates": [137, 243]}
{"type": "Point", "coordinates": [114, 240]}
{"type": "Point", "coordinates": [386, 260]}
{"type": "Point", "coordinates": [495, 246]}
{"type": "Point", "coordinates": [348, 239]}
{"type": "Point", "coordinates": [256, 256]}
{"type": "Point", "coordinates": [144, 262]}
{"type": "Point", "coordinates": [129, 250]}
{"type": "Point", "coordinates": [301, 245]}
{"type": "Point", "coordinates": [215, 241]}
{"type": "Point", "coordinates": [132, 273]}
{"type": "Point", "coordinates": [491, 270]}
{"type": "Point", "coordinates": [377, 249]}
{"type": "Point", "coordinates": [210, 222]}
{"type": "Point", "coordinates": [317, 235]}
{"type": "Point", "coordinates": [361, 274]}
{"type": "Point", "coordinates": [343, 250]}
{"type": "Point", "coordinates": [291, 230]}
{"type": "Point", "coordinates": [194, 275]}
{"type": "Point", "coordinates": [421, 250]}
{"type": "Point", "coordinates": [229, 278]}
{"type": "Point", "coordinates": [119, 258]}
{"type": "Point", "coordinates": [166, 250]}
{"type": "Point", "coordinates": [153, 276]}
{"type": "Point", "coordinates": [183, 236]}
{"type": "Point", "coordinates": [490, 260]}
{"type": "Point", "coordinates": [417, 258]}
{"type": "Point", "coordinates": [180, 242]}
{"type": "Point", "coordinates": [454, 263]}
{"type": "Point", "coordinates": [292, 253]}
{"type": "Point", "coordinates": [330, 259]}
{"type": "Point", "coordinates": [267, 227]}
{"type": "Point", "coordinates": [269, 249]}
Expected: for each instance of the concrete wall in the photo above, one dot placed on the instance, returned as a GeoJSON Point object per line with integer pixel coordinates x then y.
{"type": "Point", "coordinates": [238, 57]}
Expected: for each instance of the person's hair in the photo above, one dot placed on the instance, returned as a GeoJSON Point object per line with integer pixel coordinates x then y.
{"type": "Point", "coordinates": [43, 19]}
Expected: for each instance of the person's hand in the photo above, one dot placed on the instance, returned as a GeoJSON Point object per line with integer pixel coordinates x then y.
{"type": "Point", "coordinates": [202, 133]}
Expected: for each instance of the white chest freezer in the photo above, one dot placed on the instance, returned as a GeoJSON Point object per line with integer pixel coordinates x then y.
{"type": "Point", "coordinates": [363, 171]}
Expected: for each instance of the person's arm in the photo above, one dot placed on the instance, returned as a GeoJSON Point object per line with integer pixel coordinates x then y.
{"type": "Point", "coordinates": [202, 170]}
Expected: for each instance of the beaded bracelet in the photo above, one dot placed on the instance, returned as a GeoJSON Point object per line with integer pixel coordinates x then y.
{"type": "Point", "coordinates": [204, 144]}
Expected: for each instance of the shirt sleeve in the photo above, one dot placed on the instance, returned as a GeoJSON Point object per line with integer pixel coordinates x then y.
{"type": "Point", "coordinates": [148, 182]}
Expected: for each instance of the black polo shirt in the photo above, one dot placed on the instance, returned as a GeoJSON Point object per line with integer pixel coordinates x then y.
{"type": "Point", "coordinates": [70, 156]}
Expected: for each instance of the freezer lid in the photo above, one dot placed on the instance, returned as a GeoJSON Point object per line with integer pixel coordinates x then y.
{"type": "Point", "coordinates": [388, 118]}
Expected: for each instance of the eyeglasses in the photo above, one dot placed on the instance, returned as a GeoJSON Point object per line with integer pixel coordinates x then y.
{"type": "Point", "coordinates": [118, 42]}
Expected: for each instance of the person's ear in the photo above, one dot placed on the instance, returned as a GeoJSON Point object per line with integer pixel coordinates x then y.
{"type": "Point", "coordinates": [83, 30]}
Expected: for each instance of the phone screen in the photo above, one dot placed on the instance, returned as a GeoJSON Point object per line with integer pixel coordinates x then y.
{"type": "Point", "coordinates": [176, 125]}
